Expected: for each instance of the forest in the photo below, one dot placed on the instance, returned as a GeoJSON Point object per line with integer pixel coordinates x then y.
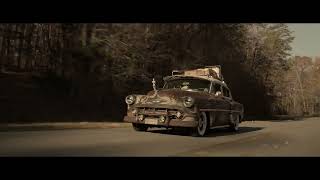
{"type": "Point", "coordinates": [83, 71]}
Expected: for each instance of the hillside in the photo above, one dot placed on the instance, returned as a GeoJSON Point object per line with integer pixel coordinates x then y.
{"type": "Point", "coordinates": [28, 97]}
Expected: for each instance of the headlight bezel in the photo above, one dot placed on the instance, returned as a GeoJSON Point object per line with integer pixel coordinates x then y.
{"type": "Point", "coordinates": [188, 102]}
{"type": "Point", "coordinates": [131, 99]}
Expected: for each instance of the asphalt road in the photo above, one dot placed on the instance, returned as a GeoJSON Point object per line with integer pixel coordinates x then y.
{"type": "Point", "coordinates": [255, 138]}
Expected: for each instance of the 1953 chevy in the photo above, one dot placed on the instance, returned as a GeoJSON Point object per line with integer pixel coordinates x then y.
{"type": "Point", "coordinates": [195, 99]}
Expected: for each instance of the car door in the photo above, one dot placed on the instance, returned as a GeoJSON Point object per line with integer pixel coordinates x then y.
{"type": "Point", "coordinates": [228, 105]}
{"type": "Point", "coordinates": [218, 105]}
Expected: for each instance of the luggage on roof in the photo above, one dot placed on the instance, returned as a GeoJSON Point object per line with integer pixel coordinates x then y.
{"type": "Point", "coordinates": [208, 71]}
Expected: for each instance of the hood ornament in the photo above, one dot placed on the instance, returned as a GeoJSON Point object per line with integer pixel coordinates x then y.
{"type": "Point", "coordinates": [154, 88]}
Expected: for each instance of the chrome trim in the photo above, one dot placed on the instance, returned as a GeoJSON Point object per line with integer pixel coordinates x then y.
{"type": "Point", "coordinates": [223, 110]}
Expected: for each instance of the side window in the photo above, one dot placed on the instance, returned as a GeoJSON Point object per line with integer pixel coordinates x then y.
{"type": "Point", "coordinates": [216, 88]}
{"type": "Point", "coordinates": [225, 92]}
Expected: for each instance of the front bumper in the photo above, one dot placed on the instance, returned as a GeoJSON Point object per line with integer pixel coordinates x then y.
{"type": "Point", "coordinates": [185, 122]}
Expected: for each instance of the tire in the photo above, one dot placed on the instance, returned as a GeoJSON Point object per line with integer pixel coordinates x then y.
{"type": "Point", "coordinates": [203, 126]}
{"type": "Point", "coordinates": [234, 126]}
{"type": "Point", "coordinates": [139, 127]}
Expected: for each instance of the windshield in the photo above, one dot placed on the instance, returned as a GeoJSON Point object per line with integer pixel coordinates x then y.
{"type": "Point", "coordinates": [188, 84]}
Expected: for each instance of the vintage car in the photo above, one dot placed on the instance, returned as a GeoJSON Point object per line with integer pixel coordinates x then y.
{"type": "Point", "coordinates": [195, 99]}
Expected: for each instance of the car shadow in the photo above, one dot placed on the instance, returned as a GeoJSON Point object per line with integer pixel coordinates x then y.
{"type": "Point", "coordinates": [283, 121]}
{"type": "Point", "coordinates": [226, 132]}
{"type": "Point", "coordinates": [216, 132]}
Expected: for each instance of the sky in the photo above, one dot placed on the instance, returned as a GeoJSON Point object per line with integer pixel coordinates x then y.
{"type": "Point", "coordinates": [307, 39]}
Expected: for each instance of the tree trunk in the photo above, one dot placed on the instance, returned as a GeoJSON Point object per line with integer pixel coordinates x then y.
{"type": "Point", "coordinates": [91, 33]}
{"type": "Point", "coordinates": [301, 90]}
{"type": "Point", "coordinates": [29, 48]}
{"type": "Point", "coordinates": [3, 47]}
{"type": "Point", "coordinates": [21, 44]}
{"type": "Point", "coordinates": [8, 48]}
{"type": "Point", "coordinates": [83, 37]}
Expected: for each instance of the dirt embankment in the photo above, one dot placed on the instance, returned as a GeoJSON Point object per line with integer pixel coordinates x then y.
{"type": "Point", "coordinates": [27, 97]}
{"type": "Point", "coordinates": [31, 98]}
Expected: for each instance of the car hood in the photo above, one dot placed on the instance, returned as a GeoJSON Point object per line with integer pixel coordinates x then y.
{"type": "Point", "coordinates": [177, 93]}
{"type": "Point", "coordinates": [171, 97]}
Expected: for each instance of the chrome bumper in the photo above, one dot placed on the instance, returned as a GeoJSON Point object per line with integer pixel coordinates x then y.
{"type": "Point", "coordinates": [185, 122]}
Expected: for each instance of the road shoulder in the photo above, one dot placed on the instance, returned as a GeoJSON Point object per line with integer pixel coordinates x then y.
{"type": "Point", "coordinates": [62, 126]}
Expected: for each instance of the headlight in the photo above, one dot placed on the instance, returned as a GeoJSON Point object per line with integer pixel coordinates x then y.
{"type": "Point", "coordinates": [179, 114]}
{"type": "Point", "coordinates": [188, 102]}
{"type": "Point", "coordinates": [131, 99]}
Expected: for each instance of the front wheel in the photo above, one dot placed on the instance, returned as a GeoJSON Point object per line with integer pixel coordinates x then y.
{"type": "Point", "coordinates": [202, 127]}
{"type": "Point", "coordinates": [234, 126]}
{"type": "Point", "coordinates": [139, 127]}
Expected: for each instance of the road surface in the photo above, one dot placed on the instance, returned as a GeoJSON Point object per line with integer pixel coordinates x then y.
{"type": "Point", "coordinates": [255, 138]}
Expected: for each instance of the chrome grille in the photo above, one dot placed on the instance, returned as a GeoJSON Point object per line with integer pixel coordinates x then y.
{"type": "Point", "coordinates": [157, 111]}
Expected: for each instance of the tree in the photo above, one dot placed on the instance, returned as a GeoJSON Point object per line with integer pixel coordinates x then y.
{"type": "Point", "coordinates": [109, 61]}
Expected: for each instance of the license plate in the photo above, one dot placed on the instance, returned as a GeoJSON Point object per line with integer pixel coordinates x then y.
{"type": "Point", "coordinates": [151, 121]}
